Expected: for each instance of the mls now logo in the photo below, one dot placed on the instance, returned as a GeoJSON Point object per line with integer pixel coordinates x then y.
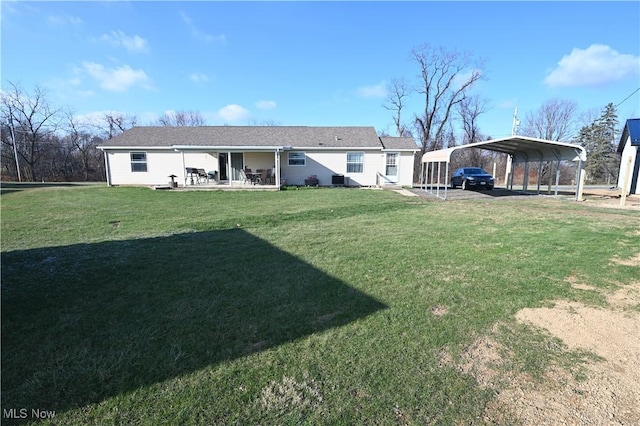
{"type": "Point", "coordinates": [23, 413]}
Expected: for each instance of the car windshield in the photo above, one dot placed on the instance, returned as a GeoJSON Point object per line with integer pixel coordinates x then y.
{"type": "Point", "coordinates": [474, 171]}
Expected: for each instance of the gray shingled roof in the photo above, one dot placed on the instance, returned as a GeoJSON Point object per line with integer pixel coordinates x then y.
{"type": "Point", "coordinates": [398, 143]}
{"type": "Point", "coordinates": [250, 136]}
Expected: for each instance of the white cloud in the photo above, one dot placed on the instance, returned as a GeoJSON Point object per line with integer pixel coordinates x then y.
{"type": "Point", "coordinates": [64, 20]}
{"type": "Point", "coordinates": [595, 66]}
{"type": "Point", "coordinates": [508, 103]}
{"type": "Point", "coordinates": [234, 112]}
{"type": "Point", "coordinates": [198, 77]}
{"type": "Point", "coordinates": [131, 43]}
{"type": "Point", "coordinates": [377, 91]}
{"type": "Point", "coordinates": [95, 118]}
{"type": "Point", "coordinates": [266, 104]}
{"type": "Point", "coordinates": [463, 77]}
{"type": "Point", "coordinates": [199, 34]}
{"type": "Point", "coordinates": [119, 79]}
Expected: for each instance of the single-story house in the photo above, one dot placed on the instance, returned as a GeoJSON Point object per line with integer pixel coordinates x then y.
{"type": "Point", "coordinates": [629, 148]}
{"type": "Point", "coordinates": [349, 156]}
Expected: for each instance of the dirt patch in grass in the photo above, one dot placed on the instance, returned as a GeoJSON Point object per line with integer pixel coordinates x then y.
{"type": "Point", "coordinates": [608, 390]}
{"type": "Point", "coordinates": [439, 310]}
{"type": "Point", "coordinates": [290, 394]}
{"type": "Point", "coordinates": [632, 261]}
{"type": "Point", "coordinates": [611, 199]}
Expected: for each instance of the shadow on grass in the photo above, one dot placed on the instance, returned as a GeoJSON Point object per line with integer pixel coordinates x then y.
{"type": "Point", "coordinates": [87, 322]}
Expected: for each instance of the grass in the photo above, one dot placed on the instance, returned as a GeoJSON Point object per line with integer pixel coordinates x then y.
{"type": "Point", "coordinates": [126, 305]}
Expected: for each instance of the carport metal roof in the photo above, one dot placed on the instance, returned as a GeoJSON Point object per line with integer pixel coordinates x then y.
{"type": "Point", "coordinates": [521, 149]}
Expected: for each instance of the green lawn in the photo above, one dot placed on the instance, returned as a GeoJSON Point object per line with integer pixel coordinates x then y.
{"type": "Point", "coordinates": [133, 306]}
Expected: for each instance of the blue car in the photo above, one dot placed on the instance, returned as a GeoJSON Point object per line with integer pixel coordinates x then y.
{"type": "Point", "coordinates": [472, 177]}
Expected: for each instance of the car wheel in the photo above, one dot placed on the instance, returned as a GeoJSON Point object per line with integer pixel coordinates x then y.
{"type": "Point", "coordinates": [464, 186]}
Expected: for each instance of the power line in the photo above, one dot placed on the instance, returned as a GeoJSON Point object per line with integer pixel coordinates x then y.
{"type": "Point", "coordinates": [633, 93]}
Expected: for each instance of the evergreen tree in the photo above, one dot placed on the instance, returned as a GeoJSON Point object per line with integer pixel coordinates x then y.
{"type": "Point", "coordinates": [598, 139]}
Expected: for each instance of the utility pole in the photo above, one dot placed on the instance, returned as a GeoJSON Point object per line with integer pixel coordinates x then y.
{"type": "Point", "coordinates": [508, 172]}
{"type": "Point", "coordinates": [516, 123]}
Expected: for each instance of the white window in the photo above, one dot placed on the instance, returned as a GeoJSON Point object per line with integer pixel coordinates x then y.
{"type": "Point", "coordinates": [355, 162]}
{"type": "Point", "coordinates": [297, 158]}
{"type": "Point", "coordinates": [138, 161]}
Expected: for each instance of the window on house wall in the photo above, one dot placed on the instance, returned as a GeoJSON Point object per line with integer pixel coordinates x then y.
{"type": "Point", "coordinates": [355, 162]}
{"type": "Point", "coordinates": [138, 161]}
{"type": "Point", "coordinates": [297, 158]}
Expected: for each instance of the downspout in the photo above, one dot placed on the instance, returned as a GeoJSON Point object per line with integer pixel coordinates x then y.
{"type": "Point", "coordinates": [229, 175]}
{"type": "Point", "coordinates": [278, 162]}
{"type": "Point", "coordinates": [184, 169]}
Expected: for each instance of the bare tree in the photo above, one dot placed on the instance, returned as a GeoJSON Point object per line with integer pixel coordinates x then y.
{"type": "Point", "coordinates": [396, 101]}
{"type": "Point", "coordinates": [33, 123]}
{"type": "Point", "coordinates": [181, 118]}
{"type": "Point", "coordinates": [445, 78]}
{"type": "Point", "coordinates": [470, 110]}
{"type": "Point", "coordinates": [117, 123]}
{"type": "Point", "coordinates": [84, 143]}
{"type": "Point", "coordinates": [553, 121]}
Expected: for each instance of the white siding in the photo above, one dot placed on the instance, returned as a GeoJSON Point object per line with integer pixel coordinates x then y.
{"type": "Point", "coordinates": [160, 164]}
{"type": "Point", "coordinates": [324, 164]}
{"type": "Point", "coordinates": [629, 152]}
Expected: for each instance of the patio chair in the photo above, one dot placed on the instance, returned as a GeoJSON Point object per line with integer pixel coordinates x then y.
{"type": "Point", "coordinates": [245, 177]}
{"type": "Point", "coordinates": [202, 176]}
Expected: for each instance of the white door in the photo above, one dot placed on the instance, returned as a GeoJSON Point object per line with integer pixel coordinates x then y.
{"type": "Point", "coordinates": [391, 167]}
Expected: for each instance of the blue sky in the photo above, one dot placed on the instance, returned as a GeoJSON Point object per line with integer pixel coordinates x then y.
{"type": "Point", "coordinates": [315, 63]}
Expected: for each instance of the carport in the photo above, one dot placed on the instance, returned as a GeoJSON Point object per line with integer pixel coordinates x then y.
{"type": "Point", "coordinates": [520, 149]}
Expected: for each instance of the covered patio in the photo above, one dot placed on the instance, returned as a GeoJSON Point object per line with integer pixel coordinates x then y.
{"type": "Point", "coordinates": [520, 150]}
{"type": "Point", "coordinates": [233, 167]}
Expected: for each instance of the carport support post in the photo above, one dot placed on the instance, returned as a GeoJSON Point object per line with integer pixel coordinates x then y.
{"type": "Point", "coordinates": [431, 181]}
{"type": "Point", "coordinates": [626, 182]}
{"type": "Point", "coordinates": [579, 182]}
{"type": "Point", "coordinates": [508, 174]}
{"type": "Point", "coordinates": [539, 175]}
{"type": "Point", "coordinates": [557, 179]}
{"type": "Point", "coordinates": [446, 178]}
{"type": "Point", "coordinates": [438, 187]}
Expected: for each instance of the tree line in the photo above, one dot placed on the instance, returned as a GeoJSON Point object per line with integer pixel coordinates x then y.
{"type": "Point", "coordinates": [42, 142]}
